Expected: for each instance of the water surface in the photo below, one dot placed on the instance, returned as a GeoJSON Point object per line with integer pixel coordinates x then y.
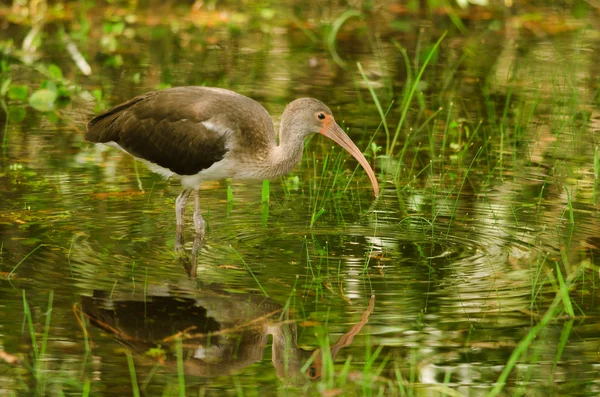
{"type": "Point", "coordinates": [488, 212]}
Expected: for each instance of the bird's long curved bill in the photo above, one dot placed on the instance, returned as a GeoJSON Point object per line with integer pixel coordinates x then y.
{"type": "Point", "coordinates": [336, 134]}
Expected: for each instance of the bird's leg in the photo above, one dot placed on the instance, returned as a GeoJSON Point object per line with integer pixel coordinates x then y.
{"type": "Point", "coordinates": [199, 223]}
{"type": "Point", "coordinates": [198, 239]}
{"type": "Point", "coordinates": [190, 263]}
{"type": "Point", "coordinates": [180, 212]}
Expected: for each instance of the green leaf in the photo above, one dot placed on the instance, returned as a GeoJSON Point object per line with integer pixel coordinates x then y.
{"type": "Point", "coordinates": [97, 93]}
{"type": "Point", "coordinates": [265, 191]}
{"type": "Point", "coordinates": [49, 85]}
{"type": "Point", "coordinates": [115, 61]}
{"type": "Point", "coordinates": [4, 65]}
{"type": "Point", "coordinates": [43, 100]}
{"type": "Point", "coordinates": [18, 92]}
{"type": "Point", "coordinates": [118, 28]}
{"type": "Point", "coordinates": [54, 72]}
{"type": "Point", "coordinates": [63, 92]}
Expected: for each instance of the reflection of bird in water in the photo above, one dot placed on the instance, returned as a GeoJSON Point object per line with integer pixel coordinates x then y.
{"type": "Point", "coordinates": [220, 332]}
{"type": "Point", "coordinates": [201, 133]}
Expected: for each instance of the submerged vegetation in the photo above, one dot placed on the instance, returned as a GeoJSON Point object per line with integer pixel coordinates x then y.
{"type": "Point", "coordinates": [481, 122]}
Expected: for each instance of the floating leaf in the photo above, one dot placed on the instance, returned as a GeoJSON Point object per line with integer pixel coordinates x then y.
{"type": "Point", "coordinates": [18, 92]}
{"type": "Point", "coordinates": [43, 100]}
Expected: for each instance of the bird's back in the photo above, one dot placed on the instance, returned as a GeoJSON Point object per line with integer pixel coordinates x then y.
{"type": "Point", "coordinates": [185, 129]}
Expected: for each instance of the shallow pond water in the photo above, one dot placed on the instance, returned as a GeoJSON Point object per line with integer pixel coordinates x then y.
{"type": "Point", "coordinates": [481, 251]}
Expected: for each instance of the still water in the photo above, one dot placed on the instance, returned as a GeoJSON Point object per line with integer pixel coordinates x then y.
{"type": "Point", "coordinates": [487, 221]}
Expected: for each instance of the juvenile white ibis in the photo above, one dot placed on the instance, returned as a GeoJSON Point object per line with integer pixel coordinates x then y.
{"type": "Point", "coordinates": [202, 133]}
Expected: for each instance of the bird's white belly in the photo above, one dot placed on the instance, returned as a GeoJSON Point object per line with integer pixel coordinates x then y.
{"type": "Point", "coordinates": [165, 172]}
{"type": "Point", "coordinates": [226, 168]}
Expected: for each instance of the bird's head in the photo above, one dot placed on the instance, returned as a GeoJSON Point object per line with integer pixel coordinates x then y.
{"type": "Point", "coordinates": [307, 116]}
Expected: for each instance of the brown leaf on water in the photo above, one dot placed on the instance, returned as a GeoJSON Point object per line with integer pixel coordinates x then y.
{"type": "Point", "coordinates": [332, 392]}
{"type": "Point", "coordinates": [397, 9]}
{"type": "Point", "coordinates": [230, 267]}
{"type": "Point", "coordinates": [549, 25]}
{"type": "Point", "coordinates": [9, 358]}
{"type": "Point", "coordinates": [359, 376]}
{"type": "Point", "coordinates": [492, 345]}
{"type": "Point", "coordinates": [308, 323]}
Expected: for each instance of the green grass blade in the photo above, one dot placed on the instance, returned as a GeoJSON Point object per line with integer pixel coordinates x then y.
{"type": "Point", "coordinates": [180, 373]}
{"type": "Point", "coordinates": [132, 375]}
{"type": "Point", "coordinates": [382, 114]}
{"type": "Point", "coordinates": [410, 96]}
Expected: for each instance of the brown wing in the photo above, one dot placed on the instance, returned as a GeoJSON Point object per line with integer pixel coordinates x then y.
{"type": "Point", "coordinates": [169, 127]}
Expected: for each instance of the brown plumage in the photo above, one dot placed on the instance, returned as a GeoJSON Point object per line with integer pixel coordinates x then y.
{"type": "Point", "coordinates": [203, 133]}
{"type": "Point", "coordinates": [165, 127]}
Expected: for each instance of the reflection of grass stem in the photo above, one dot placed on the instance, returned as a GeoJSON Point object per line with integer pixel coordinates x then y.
{"type": "Point", "coordinates": [48, 315]}
{"type": "Point", "coordinates": [570, 206]}
{"type": "Point", "coordinates": [69, 255]}
{"type": "Point", "coordinates": [382, 115]}
{"type": "Point", "coordinates": [332, 37]}
{"type": "Point", "coordinates": [596, 174]}
{"type": "Point", "coordinates": [250, 271]}
{"type": "Point", "coordinates": [4, 128]}
{"type": "Point", "coordinates": [25, 257]}
{"type": "Point", "coordinates": [453, 214]}
{"type": "Point", "coordinates": [304, 30]}
{"type": "Point", "coordinates": [150, 193]}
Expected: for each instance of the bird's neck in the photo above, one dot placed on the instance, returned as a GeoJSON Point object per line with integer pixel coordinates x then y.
{"type": "Point", "coordinates": [286, 155]}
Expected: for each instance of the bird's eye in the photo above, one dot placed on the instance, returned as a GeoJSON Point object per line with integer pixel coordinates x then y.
{"type": "Point", "coordinates": [321, 116]}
